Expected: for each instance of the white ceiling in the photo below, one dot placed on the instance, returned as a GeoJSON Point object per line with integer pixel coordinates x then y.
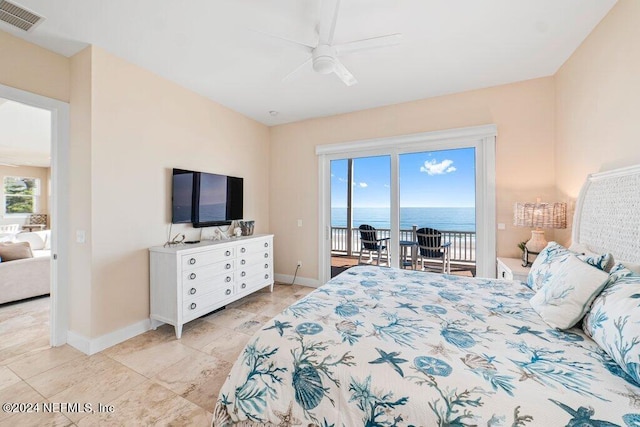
{"type": "Point", "coordinates": [216, 47]}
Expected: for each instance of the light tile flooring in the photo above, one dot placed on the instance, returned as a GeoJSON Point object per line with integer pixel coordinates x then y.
{"type": "Point", "coordinates": [151, 379]}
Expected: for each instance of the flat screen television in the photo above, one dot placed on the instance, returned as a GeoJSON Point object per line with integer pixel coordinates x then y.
{"type": "Point", "coordinates": [205, 199]}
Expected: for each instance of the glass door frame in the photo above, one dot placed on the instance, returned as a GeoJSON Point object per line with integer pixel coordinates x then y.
{"type": "Point", "coordinates": [482, 138]}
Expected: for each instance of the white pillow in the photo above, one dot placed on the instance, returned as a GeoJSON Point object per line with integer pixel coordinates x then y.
{"type": "Point", "coordinates": [571, 288]}
{"type": "Point", "coordinates": [539, 274]}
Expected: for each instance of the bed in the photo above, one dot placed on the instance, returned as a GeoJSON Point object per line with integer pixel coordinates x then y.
{"type": "Point", "coordinates": [387, 347]}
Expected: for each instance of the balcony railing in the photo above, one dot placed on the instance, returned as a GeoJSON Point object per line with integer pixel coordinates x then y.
{"type": "Point", "coordinates": [462, 249]}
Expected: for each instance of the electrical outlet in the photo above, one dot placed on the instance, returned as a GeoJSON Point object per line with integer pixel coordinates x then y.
{"type": "Point", "coordinates": [299, 263]}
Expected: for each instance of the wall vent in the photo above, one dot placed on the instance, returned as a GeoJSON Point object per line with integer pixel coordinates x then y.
{"type": "Point", "coordinates": [18, 16]}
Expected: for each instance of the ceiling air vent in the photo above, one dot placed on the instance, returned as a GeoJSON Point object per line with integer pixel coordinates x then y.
{"type": "Point", "coordinates": [18, 16]}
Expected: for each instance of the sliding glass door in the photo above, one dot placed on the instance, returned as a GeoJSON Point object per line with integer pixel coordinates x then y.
{"type": "Point", "coordinates": [438, 192]}
{"type": "Point", "coordinates": [444, 180]}
{"type": "Point", "coordinates": [360, 196]}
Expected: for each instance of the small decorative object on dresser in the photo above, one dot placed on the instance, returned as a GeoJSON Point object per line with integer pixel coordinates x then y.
{"type": "Point", "coordinates": [189, 282]}
{"type": "Point", "coordinates": [512, 269]}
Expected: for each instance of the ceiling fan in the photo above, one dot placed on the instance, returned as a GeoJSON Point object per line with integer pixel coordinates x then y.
{"type": "Point", "coordinates": [324, 55]}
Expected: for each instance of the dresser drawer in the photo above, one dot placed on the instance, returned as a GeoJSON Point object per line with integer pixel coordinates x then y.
{"type": "Point", "coordinates": [254, 246]}
{"type": "Point", "coordinates": [210, 271]}
{"type": "Point", "coordinates": [200, 259]}
{"type": "Point", "coordinates": [251, 283]}
{"type": "Point", "coordinates": [264, 267]}
{"type": "Point", "coordinates": [208, 302]}
{"type": "Point", "coordinates": [254, 258]}
{"type": "Point", "coordinates": [194, 289]}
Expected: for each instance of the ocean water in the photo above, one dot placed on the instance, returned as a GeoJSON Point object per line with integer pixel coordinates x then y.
{"type": "Point", "coordinates": [449, 219]}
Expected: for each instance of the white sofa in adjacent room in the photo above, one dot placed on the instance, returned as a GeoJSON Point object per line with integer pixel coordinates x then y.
{"type": "Point", "coordinates": [27, 277]}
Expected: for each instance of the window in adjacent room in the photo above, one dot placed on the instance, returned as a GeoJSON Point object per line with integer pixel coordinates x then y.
{"type": "Point", "coordinates": [20, 194]}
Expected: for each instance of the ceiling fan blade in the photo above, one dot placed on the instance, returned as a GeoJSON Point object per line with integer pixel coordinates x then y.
{"type": "Point", "coordinates": [296, 70]}
{"type": "Point", "coordinates": [328, 17]}
{"type": "Point", "coordinates": [372, 43]}
{"type": "Point", "coordinates": [344, 74]}
{"type": "Point", "coordinates": [304, 46]}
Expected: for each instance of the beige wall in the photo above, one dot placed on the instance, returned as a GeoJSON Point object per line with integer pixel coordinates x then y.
{"type": "Point", "coordinates": [598, 102]}
{"type": "Point", "coordinates": [79, 196]}
{"type": "Point", "coordinates": [42, 202]}
{"type": "Point", "coordinates": [524, 113]}
{"type": "Point", "coordinates": [141, 127]}
{"type": "Point", "coordinates": [29, 67]}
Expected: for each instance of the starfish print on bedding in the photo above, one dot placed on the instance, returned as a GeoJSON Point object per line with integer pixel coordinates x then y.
{"type": "Point", "coordinates": [527, 330]}
{"type": "Point", "coordinates": [440, 350]}
{"type": "Point", "coordinates": [286, 418]}
{"type": "Point", "coordinates": [324, 319]}
{"type": "Point", "coordinates": [527, 376]}
{"type": "Point", "coordinates": [280, 326]}
{"type": "Point", "coordinates": [390, 358]}
{"type": "Point", "coordinates": [408, 306]}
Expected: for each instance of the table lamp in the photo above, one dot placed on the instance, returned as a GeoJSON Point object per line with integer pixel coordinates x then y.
{"type": "Point", "coordinates": [538, 216]}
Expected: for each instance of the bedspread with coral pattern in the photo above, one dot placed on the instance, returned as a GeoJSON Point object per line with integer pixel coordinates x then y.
{"type": "Point", "coordinates": [386, 347]}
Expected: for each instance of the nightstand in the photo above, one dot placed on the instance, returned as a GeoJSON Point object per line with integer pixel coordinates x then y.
{"type": "Point", "coordinates": [512, 269]}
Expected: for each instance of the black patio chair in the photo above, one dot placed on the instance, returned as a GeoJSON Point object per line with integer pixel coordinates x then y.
{"type": "Point", "coordinates": [370, 242]}
{"type": "Point", "coordinates": [431, 247]}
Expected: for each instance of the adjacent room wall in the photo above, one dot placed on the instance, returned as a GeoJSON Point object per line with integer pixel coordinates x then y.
{"type": "Point", "coordinates": [598, 102]}
{"type": "Point", "coordinates": [524, 113]}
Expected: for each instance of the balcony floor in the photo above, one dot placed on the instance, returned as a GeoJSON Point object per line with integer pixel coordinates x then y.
{"type": "Point", "coordinates": [340, 263]}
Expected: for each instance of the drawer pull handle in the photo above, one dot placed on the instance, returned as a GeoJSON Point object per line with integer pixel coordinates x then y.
{"type": "Point", "coordinates": [228, 292]}
{"type": "Point", "coordinates": [192, 261]}
{"type": "Point", "coordinates": [244, 285]}
{"type": "Point", "coordinates": [266, 276]}
{"type": "Point", "coordinates": [266, 266]}
{"type": "Point", "coordinates": [266, 244]}
{"type": "Point", "coordinates": [266, 255]}
{"type": "Point", "coordinates": [243, 262]}
{"type": "Point", "coordinates": [228, 266]}
{"type": "Point", "coordinates": [192, 291]}
{"type": "Point", "coordinates": [228, 279]}
{"type": "Point", "coordinates": [244, 273]}
{"type": "Point", "coordinates": [227, 253]}
{"type": "Point", "coordinates": [192, 276]}
{"type": "Point", "coordinates": [503, 274]}
{"type": "Point", "coordinates": [243, 250]}
{"type": "Point", "coordinates": [192, 306]}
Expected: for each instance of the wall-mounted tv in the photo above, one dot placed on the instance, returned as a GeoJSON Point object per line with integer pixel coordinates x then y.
{"type": "Point", "coordinates": [205, 199]}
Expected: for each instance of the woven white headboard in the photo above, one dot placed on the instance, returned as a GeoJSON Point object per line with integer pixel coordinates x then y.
{"type": "Point", "coordinates": [607, 217]}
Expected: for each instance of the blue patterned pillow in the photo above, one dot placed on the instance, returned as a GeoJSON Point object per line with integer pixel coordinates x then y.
{"type": "Point", "coordinates": [614, 320]}
{"type": "Point", "coordinates": [554, 253]}
{"type": "Point", "coordinates": [565, 299]}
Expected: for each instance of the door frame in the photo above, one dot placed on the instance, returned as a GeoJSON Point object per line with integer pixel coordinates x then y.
{"type": "Point", "coordinates": [59, 319]}
{"type": "Point", "coordinates": [482, 138]}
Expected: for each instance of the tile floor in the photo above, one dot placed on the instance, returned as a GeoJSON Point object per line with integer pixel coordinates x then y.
{"type": "Point", "coordinates": [151, 379]}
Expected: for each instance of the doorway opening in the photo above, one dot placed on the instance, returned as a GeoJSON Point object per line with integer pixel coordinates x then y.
{"type": "Point", "coordinates": [33, 147]}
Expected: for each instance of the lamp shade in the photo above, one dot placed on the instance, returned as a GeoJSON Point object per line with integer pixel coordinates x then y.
{"type": "Point", "coordinates": [540, 215]}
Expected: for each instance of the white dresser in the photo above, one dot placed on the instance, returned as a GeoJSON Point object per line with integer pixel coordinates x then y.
{"type": "Point", "coordinates": [190, 281]}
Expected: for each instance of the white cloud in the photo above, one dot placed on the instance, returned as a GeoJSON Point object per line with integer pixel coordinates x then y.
{"type": "Point", "coordinates": [432, 167]}
{"type": "Point", "coordinates": [363, 185]}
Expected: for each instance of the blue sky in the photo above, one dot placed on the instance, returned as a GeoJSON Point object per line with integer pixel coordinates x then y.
{"type": "Point", "coordinates": [429, 179]}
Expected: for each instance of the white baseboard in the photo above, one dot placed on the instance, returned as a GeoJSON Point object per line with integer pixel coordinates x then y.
{"type": "Point", "coordinates": [91, 346]}
{"type": "Point", "coordinates": [305, 281]}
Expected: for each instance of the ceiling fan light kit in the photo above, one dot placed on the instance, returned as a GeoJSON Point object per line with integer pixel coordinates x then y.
{"type": "Point", "coordinates": [324, 59]}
